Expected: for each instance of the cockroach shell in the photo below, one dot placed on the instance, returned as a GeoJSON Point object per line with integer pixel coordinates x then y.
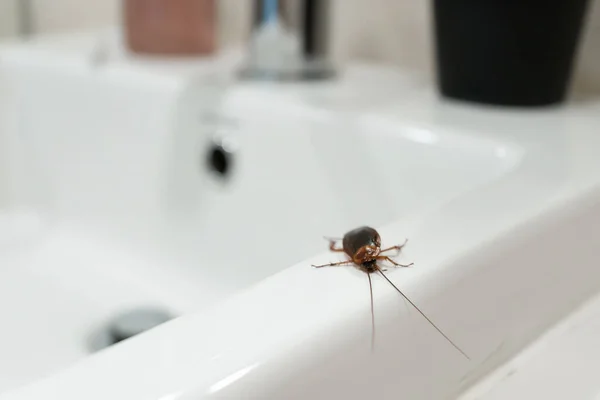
{"type": "Point", "coordinates": [357, 238]}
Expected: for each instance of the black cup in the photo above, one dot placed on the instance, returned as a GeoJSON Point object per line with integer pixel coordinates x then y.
{"type": "Point", "coordinates": [507, 52]}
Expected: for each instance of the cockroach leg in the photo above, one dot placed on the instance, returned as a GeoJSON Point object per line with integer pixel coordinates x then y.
{"type": "Point", "coordinates": [333, 248]}
{"type": "Point", "coordinates": [332, 242]}
{"type": "Point", "coordinates": [332, 264]}
{"type": "Point", "coordinates": [397, 247]}
{"type": "Point", "coordinates": [394, 262]}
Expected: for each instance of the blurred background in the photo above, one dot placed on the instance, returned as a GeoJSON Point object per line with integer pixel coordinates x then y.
{"type": "Point", "coordinates": [393, 31]}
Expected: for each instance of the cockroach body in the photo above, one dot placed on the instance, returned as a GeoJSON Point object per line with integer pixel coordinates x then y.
{"type": "Point", "coordinates": [363, 246]}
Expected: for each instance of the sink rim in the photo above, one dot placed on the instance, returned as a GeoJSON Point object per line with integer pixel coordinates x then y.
{"type": "Point", "coordinates": [543, 202]}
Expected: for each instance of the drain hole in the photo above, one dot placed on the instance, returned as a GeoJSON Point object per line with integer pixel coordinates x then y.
{"type": "Point", "coordinates": [127, 325]}
{"type": "Point", "coordinates": [219, 160]}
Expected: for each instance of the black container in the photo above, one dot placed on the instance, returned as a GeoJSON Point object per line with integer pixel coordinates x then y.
{"type": "Point", "coordinates": [507, 52]}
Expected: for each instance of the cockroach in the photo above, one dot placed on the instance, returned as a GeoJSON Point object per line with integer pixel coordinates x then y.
{"type": "Point", "coordinates": [363, 246]}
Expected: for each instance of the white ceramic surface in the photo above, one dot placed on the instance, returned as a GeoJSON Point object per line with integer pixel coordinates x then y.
{"type": "Point", "coordinates": [109, 205]}
{"type": "Point", "coordinates": [562, 364]}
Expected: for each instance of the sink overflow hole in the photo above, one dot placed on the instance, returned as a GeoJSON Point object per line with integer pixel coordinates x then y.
{"type": "Point", "coordinates": [127, 325]}
{"type": "Point", "coordinates": [219, 160]}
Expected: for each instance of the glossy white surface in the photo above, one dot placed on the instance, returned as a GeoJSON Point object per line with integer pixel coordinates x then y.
{"type": "Point", "coordinates": [561, 364]}
{"type": "Point", "coordinates": [58, 290]}
{"type": "Point", "coordinates": [111, 164]}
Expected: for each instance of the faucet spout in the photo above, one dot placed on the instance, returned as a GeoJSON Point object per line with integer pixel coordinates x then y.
{"type": "Point", "coordinates": [289, 40]}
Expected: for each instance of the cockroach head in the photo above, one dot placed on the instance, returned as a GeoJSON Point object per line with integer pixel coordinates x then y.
{"type": "Point", "coordinates": [369, 266]}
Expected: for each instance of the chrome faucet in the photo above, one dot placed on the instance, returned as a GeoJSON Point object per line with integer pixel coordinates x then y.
{"type": "Point", "coordinates": [289, 40]}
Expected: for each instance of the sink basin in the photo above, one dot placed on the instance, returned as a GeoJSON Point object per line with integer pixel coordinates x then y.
{"type": "Point", "coordinates": [57, 291]}
{"type": "Point", "coordinates": [113, 200]}
{"type": "Point", "coordinates": [123, 213]}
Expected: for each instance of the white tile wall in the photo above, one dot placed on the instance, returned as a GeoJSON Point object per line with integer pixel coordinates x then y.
{"type": "Point", "coordinates": [587, 75]}
{"type": "Point", "coordinates": [8, 20]}
{"type": "Point", "coordinates": [8, 27]}
{"type": "Point", "coordinates": [62, 15]}
{"type": "Point", "coordinates": [395, 31]}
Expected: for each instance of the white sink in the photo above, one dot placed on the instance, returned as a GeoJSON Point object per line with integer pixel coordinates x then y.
{"type": "Point", "coordinates": [109, 205]}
